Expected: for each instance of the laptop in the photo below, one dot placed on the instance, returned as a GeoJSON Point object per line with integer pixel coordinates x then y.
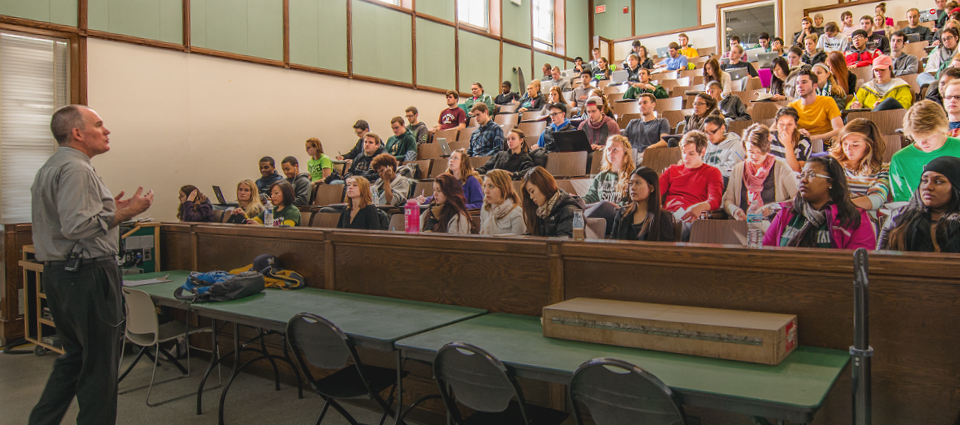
{"type": "Point", "coordinates": [737, 74]}
{"type": "Point", "coordinates": [545, 86]}
{"type": "Point", "coordinates": [445, 150]}
{"type": "Point", "coordinates": [752, 54]}
{"type": "Point", "coordinates": [220, 199]}
{"type": "Point", "coordinates": [765, 60]}
{"type": "Point", "coordinates": [572, 141]}
{"type": "Point", "coordinates": [567, 73]}
{"type": "Point", "coordinates": [928, 15]}
{"type": "Point", "coordinates": [619, 77]}
{"type": "Point", "coordinates": [913, 38]}
{"type": "Point", "coordinates": [663, 52]}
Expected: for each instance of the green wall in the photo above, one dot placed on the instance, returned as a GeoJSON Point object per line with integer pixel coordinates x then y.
{"type": "Point", "coordinates": [442, 9]}
{"type": "Point", "coordinates": [659, 16]}
{"type": "Point", "coordinates": [436, 55]}
{"type": "Point", "coordinates": [614, 23]}
{"type": "Point", "coordinates": [152, 19]}
{"type": "Point", "coordinates": [517, 57]}
{"type": "Point", "coordinates": [246, 27]}
{"type": "Point", "coordinates": [516, 21]}
{"type": "Point", "coordinates": [318, 33]}
{"type": "Point", "coordinates": [382, 45]}
{"type": "Point", "coordinates": [479, 61]}
{"type": "Point", "coordinates": [63, 12]}
{"type": "Point", "coordinates": [578, 28]}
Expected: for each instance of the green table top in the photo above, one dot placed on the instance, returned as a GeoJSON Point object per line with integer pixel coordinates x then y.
{"type": "Point", "coordinates": [375, 322]}
{"type": "Point", "coordinates": [792, 390]}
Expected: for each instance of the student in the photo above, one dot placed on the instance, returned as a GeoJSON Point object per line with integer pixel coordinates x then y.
{"type": "Point", "coordinates": [675, 61]}
{"type": "Point", "coordinates": [819, 115]}
{"type": "Point", "coordinates": [712, 72]}
{"type": "Point", "coordinates": [391, 188]}
{"type": "Point", "coordinates": [818, 23]}
{"type": "Point", "coordinates": [942, 15]}
{"type": "Point", "coordinates": [737, 64]}
{"type": "Point", "coordinates": [553, 96]}
{"type": "Point", "coordinates": [194, 206]}
{"type": "Point", "coordinates": [827, 85]}
{"type": "Point", "coordinates": [416, 127]}
{"type": "Point", "coordinates": [691, 185]}
{"type": "Point", "coordinates": [487, 139]}
{"type": "Point", "coordinates": [595, 62]}
{"type": "Point", "coordinates": [806, 29]}
{"type": "Point", "coordinates": [248, 197]}
{"type": "Point", "coordinates": [777, 46]}
{"type": "Point", "coordinates": [951, 103]}
{"type": "Point", "coordinates": [880, 26]}
{"type": "Point", "coordinates": [634, 48]}
{"type": "Point", "coordinates": [558, 80]}
{"type": "Point", "coordinates": [547, 210]}
{"type": "Point", "coordinates": [874, 40]}
{"type": "Point", "coordinates": [611, 183]}
{"type": "Point", "coordinates": [704, 105]}
{"type": "Point", "coordinates": [787, 142]}
{"type": "Point", "coordinates": [361, 166]}
{"type": "Point", "coordinates": [558, 123]}
{"type": "Point", "coordinates": [453, 116]}
{"type": "Point", "coordinates": [859, 53]}
{"type": "Point", "coordinates": [934, 93]}
{"type": "Point", "coordinates": [320, 166]}
{"type": "Point", "coordinates": [284, 213]}
{"type": "Point", "coordinates": [685, 48]}
{"type": "Point", "coordinates": [794, 59]}
{"type": "Point", "coordinates": [361, 128]}
{"type": "Point", "coordinates": [644, 85]}
{"type": "Point", "coordinates": [644, 56]}
{"type": "Point", "coordinates": [632, 66]}
{"type": "Point", "coordinates": [515, 160]}
{"type": "Point", "coordinates": [579, 67]}
{"type": "Point", "coordinates": [360, 212]}
{"type": "Point", "coordinates": [884, 92]}
{"type": "Point", "coordinates": [847, 27]}
{"type": "Point", "coordinates": [931, 221]}
{"type": "Point", "coordinates": [903, 63]}
{"type": "Point", "coordinates": [479, 96]}
{"type": "Point", "coordinates": [602, 70]}
{"type": "Point", "coordinates": [927, 124]}
{"type": "Point", "coordinates": [730, 54]}
{"type": "Point", "coordinates": [821, 215]}
{"type": "Point", "coordinates": [881, 10]}
{"type": "Point", "coordinates": [832, 40]}
{"type": "Point", "coordinates": [447, 212]}
{"type": "Point", "coordinates": [725, 150]}
{"type": "Point", "coordinates": [299, 181]}
{"type": "Point", "coordinates": [642, 219]}
{"type": "Point", "coordinates": [730, 105]}
{"type": "Point", "coordinates": [597, 125]}
{"type": "Point", "coordinates": [647, 132]}
{"type": "Point", "coordinates": [914, 27]}
{"type": "Point", "coordinates": [532, 100]}
{"type": "Point", "coordinates": [501, 213]}
{"type": "Point", "coordinates": [402, 145]}
{"type": "Point", "coordinates": [605, 107]}
{"type": "Point", "coordinates": [506, 96]}
{"type": "Point", "coordinates": [765, 41]}
{"type": "Point", "coordinates": [582, 93]}
{"type": "Point", "coordinates": [811, 54]}
{"type": "Point", "coordinates": [458, 166]}
{"type": "Point", "coordinates": [779, 72]}
{"type": "Point", "coordinates": [268, 174]}
{"type": "Point", "coordinates": [841, 73]}
{"type": "Point", "coordinates": [939, 58]}
{"type": "Point", "coordinates": [760, 174]}
{"type": "Point", "coordinates": [547, 76]}
{"type": "Point", "coordinates": [860, 151]}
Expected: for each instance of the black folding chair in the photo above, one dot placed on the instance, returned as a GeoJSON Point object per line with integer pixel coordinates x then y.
{"type": "Point", "coordinates": [481, 382]}
{"type": "Point", "coordinates": [616, 392]}
{"type": "Point", "coordinates": [317, 342]}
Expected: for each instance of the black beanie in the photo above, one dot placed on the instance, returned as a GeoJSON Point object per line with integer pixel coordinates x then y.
{"type": "Point", "coordinates": [949, 166]}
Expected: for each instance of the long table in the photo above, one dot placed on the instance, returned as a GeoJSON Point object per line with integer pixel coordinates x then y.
{"type": "Point", "coordinates": [792, 390]}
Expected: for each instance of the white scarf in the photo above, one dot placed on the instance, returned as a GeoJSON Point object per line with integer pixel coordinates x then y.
{"type": "Point", "coordinates": [497, 213]}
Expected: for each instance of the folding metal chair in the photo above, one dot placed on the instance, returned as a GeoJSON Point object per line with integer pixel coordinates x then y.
{"type": "Point", "coordinates": [616, 392]}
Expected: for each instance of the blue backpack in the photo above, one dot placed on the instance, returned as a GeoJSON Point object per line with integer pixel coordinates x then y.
{"type": "Point", "coordinates": [219, 286]}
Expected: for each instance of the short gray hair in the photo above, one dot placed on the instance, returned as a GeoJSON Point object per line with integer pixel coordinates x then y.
{"type": "Point", "coordinates": [64, 120]}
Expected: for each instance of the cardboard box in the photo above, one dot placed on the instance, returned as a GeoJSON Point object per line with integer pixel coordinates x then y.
{"type": "Point", "coordinates": [747, 336]}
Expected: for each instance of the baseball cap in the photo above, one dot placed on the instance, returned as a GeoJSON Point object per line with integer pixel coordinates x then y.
{"type": "Point", "coordinates": [882, 62]}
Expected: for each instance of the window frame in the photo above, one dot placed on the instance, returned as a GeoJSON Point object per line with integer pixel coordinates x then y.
{"type": "Point", "coordinates": [551, 44]}
{"type": "Point", "coordinates": [488, 21]}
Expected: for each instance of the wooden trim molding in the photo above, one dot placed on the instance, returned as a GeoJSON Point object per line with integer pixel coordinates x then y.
{"type": "Point", "coordinates": [83, 7]}
{"type": "Point", "coordinates": [135, 40]}
{"type": "Point", "coordinates": [400, 9]}
{"type": "Point", "coordinates": [37, 25]}
{"type": "Point", "coordinates": [186, 26]}
{"type": "Point", "coordinates": [382, 81]}
{"type": "Point", "coordinates": [721, 45]}
{"type": "Point", "coordinates": [316, 70]}
{"type": "Point", "coordinates": [495, 22]}
{"type": "Point", "coordinates": [350, 37]}
{"type": "Point", "coordinates": [435, 19]}
{"type": "Point", "coordinates": [661, 33]}
{"type": "Point", "coordinates": [286, 32]}
{"type": "Point", "coordinates": [236, 56]}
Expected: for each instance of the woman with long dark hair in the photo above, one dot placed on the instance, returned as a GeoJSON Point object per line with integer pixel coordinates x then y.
{"type": "Point", "coordinates": [712, 72]}
{"type": "Point", "coordinates": [459, 166]}
{"type": "Point", "coordinates": [822, 214]}
{"type": "Point", "coordinates": [779, 71]}
{"type": "Point", "coordinates": [448, 211]}
{"type": "Point", "coordinates": [284, 212]}
{"type": "Point", "coordinates": [704, 105]}
{"type": "Point", "coordinates": [931, 221]}
{"type": "Point", "coordinates": [194, 206]}
{"type": "Point", "coordinates": [841, 72]}
{"type": "Point", "coordinates": [642, 219]}
{"type": "Point", "coordinates": [547, 210]}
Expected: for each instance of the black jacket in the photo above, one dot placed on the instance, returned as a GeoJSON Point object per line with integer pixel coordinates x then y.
{"type": "Point", "coordinates": [560, 221]}
{"type": "Point", "coordinates": [356, 151]}
{"type": "Point", "coordinates": [623, 227]}
{"type": "Point", "coordinates": [516, 164]}
{"type": "Point", "coordinates": [361, 166]}
{"type": "Point", "coordinates": [367, 219]}
{"type": "Point", "coordinates": [732, 107]}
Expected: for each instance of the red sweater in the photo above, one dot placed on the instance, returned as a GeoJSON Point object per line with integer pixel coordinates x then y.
{"type": "Point", "coordinates": [681, 187]}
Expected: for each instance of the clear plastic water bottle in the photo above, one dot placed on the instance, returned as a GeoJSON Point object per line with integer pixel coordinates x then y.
{"type": "Point", "coordinates": [755, 224]}
{"type": "Point", "coordinates": [411, 216]}
{"type": "Point", "coordinates": [579, 226]}
{"type": "Point", "coordinates": [373, 196]}
{"type": "Point", "coordinates": [268, 215]}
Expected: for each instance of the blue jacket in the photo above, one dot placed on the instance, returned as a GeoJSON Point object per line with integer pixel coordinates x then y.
{"type": "Point", "coordinates": [546, 138]}
{"type": "Point", "coordinates": [486, 140]}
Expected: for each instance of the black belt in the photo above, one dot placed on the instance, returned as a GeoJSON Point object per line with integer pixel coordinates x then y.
{"type": "Point", "coordinates": [85, 261]}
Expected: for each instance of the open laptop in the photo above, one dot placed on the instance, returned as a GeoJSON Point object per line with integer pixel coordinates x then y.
{"type": "Point", "coordinates": [545, 86]}
{"type": "Point", "coordinates": [572, 141]}
{"type": "Point", "coordinates": [765, 60]}
{"type": "Point", "coordinates": [928, 15]}
{"type": "Point", "coordinates": [752, 54]}
{"type": "Point", "coordinates": [445, 150]}
{"type": "Point", "coordinates": [913, 38]}
{"type": "Point", "coordinates": [618, 77]}
{"type": "Point", "coordinates": [663, 52]}
{"type": "Point", "coordinates": [220, 199]}
{"type": "Point", "coordinates": [737, 74]}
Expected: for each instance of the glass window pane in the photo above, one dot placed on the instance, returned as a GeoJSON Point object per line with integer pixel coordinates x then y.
{"type": "Point", "coordinates": [393, 2]}
{"type": "Point", "coordinates": [543, 22]}
{"type": "Point", "coordinates": [473, 12]}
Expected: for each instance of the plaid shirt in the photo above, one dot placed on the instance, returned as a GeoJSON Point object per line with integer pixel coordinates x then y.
{"type": "Point", "coordinates": [486, 140]}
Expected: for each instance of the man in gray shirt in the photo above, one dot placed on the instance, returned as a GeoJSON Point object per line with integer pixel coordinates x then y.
{"type": "Point", "coordinates": [75, 219]}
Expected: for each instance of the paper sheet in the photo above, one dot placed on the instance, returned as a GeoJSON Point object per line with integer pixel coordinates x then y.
{"type": "Point", "coordinates": [133, 283]}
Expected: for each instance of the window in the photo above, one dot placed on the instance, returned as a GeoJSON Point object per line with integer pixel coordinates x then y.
{"type": "Point", "coordinates": [393, 2]}
{"type": "Point", "coordinates": [473, 12]}
{"type": "Point", "coordinates": [34, 80]}
{"type": "Point", "coordinates": [543, 24]}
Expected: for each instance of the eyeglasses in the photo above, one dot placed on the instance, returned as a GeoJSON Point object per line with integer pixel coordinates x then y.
{"type": "Point", "coordinates": [947, 38]}
{"type": "Point", "coordinates": [700, 104]}
{"type": "Point", "coordinates": [712, 132]}
{"type": "Point", "coordinates": [555, 114]}
{"type": "Point", "coordinates": [951, 97]}
{"type": "Point", "coordinates": [808, 175]}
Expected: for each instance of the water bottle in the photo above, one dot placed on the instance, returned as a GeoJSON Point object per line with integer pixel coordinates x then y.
{"type": "Point", "coordinates": [373, 196]}
{"type": "Point", "coordinates": [755, 224]}
{"type": "Point", "coordinates": [579, 224]}
{"type": "Point", "coordinates": [411, 216]}
{"type": "Point", "coordinates": [268, 215]}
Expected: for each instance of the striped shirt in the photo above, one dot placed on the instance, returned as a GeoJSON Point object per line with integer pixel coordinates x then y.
{"type": "Point", "coordinates": [801, 150]}
{"type": "Point", "coordinates": [875, 186]}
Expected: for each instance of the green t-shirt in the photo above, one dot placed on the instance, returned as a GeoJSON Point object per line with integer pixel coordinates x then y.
{"type": "Point", "coordinates": [289, 215]}
{"type": "Point", "coordinates": [603, 188]}
{"type": "Point", "coordinates": [907, 164]}
{"type": "Point", "coordinates": [316, 166]}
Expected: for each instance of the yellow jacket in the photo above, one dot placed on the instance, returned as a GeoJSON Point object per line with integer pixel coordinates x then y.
{"type": "Point", "coordinates": [869, 96]}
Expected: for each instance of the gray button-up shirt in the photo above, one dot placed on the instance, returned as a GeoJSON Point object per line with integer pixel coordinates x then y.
{"type": "Point", "coordinates": [71, 204]}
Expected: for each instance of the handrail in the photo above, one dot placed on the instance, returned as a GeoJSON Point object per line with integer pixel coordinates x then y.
{"type": "Point", "coordinates": [861, 351]}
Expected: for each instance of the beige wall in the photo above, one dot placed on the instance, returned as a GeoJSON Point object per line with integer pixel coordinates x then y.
{"type": "Point", "coordinates": [181, 119]}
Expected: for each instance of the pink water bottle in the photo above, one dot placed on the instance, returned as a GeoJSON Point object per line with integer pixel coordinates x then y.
{"type": "Point", "coordinates": [411, 216]}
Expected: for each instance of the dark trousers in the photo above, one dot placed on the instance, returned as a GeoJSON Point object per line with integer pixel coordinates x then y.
{"type": "Point", "coordinates": [87, 309]}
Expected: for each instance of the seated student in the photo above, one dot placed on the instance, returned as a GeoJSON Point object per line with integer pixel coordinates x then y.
{"type": "Point", "coordinates": [595, 62]}
{"type": "Point", "coordinates": [248, 197]}
{"type": "Point", "coordinates": [914, 27]}
{"type": "Point", "coordinates": [361, 128]}
{"type": "Point", "coordinates": [597, 125]}
{"type": "Point", "coordinates": [778, 46]}
{"type": "Point", "coordinates": [846, 24]}
{"type": "Point", "coordinates": [320, 166]}
{"type": "Point", "coordinates": [951, 103]}
{"type": "Point", "coordinates": [360, 212]}
{"type": "Point", "coordinates": [547, 210]}
{"type": "Point", "coordinates": [602, 70]}
{"type": "Point", "coordinates": [860, 151]}
{"type": "Point", "coordinates": [553, 96]}
{"type": "Point", "coordinates": [558, 123]}
{"type": "Point", "coordinates": [447, 212]}
{"type": "Point", "coordinates": [582, 93]}
{"type": "Point", "coordinates": [712, 72]}
{"type": "Point", "coordinates": [506, 96]}
{"type": "Point", "coordinates": [827, 85]}
{"type": "Point", "coordinates": [821, 215]}
{"type": "Point", "coordinates": [735, 43]}
{"type": "Point", "coordinates": [819, 115]}
{"type": "Point", "coordinates": [194, 206]}
{"type": "Point", "coordinates": [841, 72]}
{"type": "Point", "coordinates": [939, 58]}
{"type": "Point", "coordinates": [532, 100]}
{"type": "Point", "coordinates": [787, 142]}
{"type": "Point", "coordinates": [299, 181]}
{"type": "Point", "coordinates": [644, 85]}
{"type": "Point", "coordinates": [736, 62]}
{"type": "Point", "coordinates": [268, 174]}
{"type": "Point", "coordinates": [818, 23]}
{"type": "Point", "coordinates": [796, 65]}
{"type": "Point", "coordinates": [547, 76]}
{"type": "Point", "coordinates": [642, 219]}
{"type": "Point", "coordinates": [649, 131]}
{"type": "Point", "coordinates": [675, 61]}
{"type": "Point", "coordinates": [284, 212]}
{"type": "Point", "coordinates": [487, 139]}
{"type": "Point", "coordinates": [605, 108]}
{"type": "Point", "coordinates": [875, 40]}
{"type": "Point", "coordinates": [764, 41]}
{"type": "Point", "coordinates": [632, 66]}
{"type": "Point", "coordinates": [501, 213]}
{"type": "Point", "coordinates": [579, 67]}
{"type": "Point", "coordinates": [806, 30]}
{"type": "Point", "coordinates": [779, 72]}
{"type": "Point", "coordinates": [725, 150]}
{"type": "Point", "coordinates": [811, 54]}
{"type": "Point", "coordinates": [935, 91]}
{"type": "Point", "coordinates": [859, 53]}
{"type": "Point", "coordinates": [926, 123]}
{"type": "Point", "coordinates": [361, 166]}
{"type": "Point", "coordinates": [634, 50]}
{"type": "Point", "coordinates": [458, 166]}
{"type": "Point", "coordinates": [685, 48]}
{"type": "Point", "coordinates": [884, 92]}
{"type": "Point", "coordinates": [611, 184]}
{"type": "Point", "coordinates": [730, 105]}
{"type": "Point", "coordinates": [515, 160]}
{"type": "Point", "coordinates": [453, 116]}
{"type": "Point", "coordinates": [832, 40]}
{"type": "Point", "coordinates": [760, 174]}
{"type": "Point", "coordinates": [558, 80]}
{"type": "Point", "coordinates": [402, 145]}
{"type": "Point", "coordinates": [691, 185]}
{"type": "Point", "coordinates": [479, 96]}
{"type": "Point", "coordinates": [704, 106]}
{"type": "Point", "coordinates": [416, 127]}
{"type": "Point", "coordinates": [391, 188]}
{"type": "Point", "coordinates": [644, 56]}
{"type": "Point", "coordinates": [934, 209]}
{"type": "Point", "coordinates": [903, 63]}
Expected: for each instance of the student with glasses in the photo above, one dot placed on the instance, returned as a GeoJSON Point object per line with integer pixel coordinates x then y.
{"type": "Point", "coordinates": [760, 174]}
{"type": "Point", "coordinates": [822, 214]}
{"type": "Point", "coordinates": [558, 123]}
{"type": "Point", "coordinates": [704, 105]}
{"type": "Point", "coordinates": [951, 103]}
{"type": "Point", "coordinates": [725, 150]}
{"type": "Point", "coordinates": [940, 57]}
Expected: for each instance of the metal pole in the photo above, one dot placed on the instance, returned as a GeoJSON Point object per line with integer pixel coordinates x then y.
{"type": "Point", "coordinates": [861, 351]}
